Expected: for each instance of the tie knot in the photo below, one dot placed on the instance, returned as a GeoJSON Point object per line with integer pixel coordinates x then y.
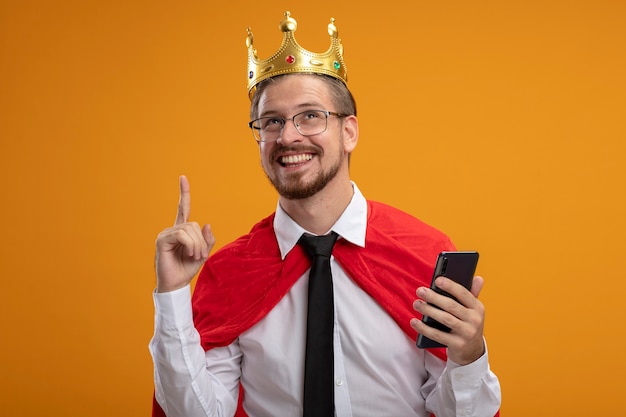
{"type": "Point", "coordinates": [318, 245]}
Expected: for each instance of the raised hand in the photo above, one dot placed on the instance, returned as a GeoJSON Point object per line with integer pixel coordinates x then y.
{"type": "Point", "coordinates": [466, 318]}
{"type": "Point", "coordinates": [181, 250]}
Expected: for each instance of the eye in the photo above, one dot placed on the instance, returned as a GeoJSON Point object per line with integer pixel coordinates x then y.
{"type": "Point", "coordinates": [271, 122]}
{"type": "Point", "coordinates": [312, 114]}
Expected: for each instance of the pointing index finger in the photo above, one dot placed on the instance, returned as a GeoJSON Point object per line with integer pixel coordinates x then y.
{"type": "Point", "coordinates": [184, 203]}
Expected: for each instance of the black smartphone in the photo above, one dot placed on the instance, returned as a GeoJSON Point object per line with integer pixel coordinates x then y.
{"type": "Point", "coordinates": [458, 266]}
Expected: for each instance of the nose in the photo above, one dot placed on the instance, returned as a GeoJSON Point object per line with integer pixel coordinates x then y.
{"type": "Point", "coordinates": [289, 133]}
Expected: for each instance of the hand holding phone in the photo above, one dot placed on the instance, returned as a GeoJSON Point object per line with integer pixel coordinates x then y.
{"type": "Point", "coordinates": [459, 267]}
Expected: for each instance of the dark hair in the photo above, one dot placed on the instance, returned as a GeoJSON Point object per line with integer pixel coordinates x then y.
{"type": "Point", "coordinates": [342, 97]}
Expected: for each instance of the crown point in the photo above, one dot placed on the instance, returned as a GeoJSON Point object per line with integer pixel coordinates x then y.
{"type": "Point", "coordinates": [288, 24]}
{"type": "Point", "coordinates": [332, 29]}
{"type": "Point", "coordinates": [249, 39]}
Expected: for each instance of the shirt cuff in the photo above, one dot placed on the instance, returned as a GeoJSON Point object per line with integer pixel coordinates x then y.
{"type": "Point", "coordinates": [470, 375]}
{"type": "Point", "coordinates": [173, 309]}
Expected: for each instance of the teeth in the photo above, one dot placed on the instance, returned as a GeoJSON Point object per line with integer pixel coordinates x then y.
{"type": "Point", "coordinates": [296, 159]}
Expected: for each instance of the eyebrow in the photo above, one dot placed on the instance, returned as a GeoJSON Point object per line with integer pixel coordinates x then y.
{"type": "Point", "coordinates": [300, 107]}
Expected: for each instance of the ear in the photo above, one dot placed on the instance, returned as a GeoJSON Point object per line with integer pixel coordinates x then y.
{"type": "Point", "coordinates": [350, 133]}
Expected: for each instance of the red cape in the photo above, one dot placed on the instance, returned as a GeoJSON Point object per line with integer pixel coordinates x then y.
{"type": "Point", "coordinates": [245, 279]}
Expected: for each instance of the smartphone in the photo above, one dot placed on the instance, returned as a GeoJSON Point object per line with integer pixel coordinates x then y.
{"type": "Point", "coordinates": [458, 266]}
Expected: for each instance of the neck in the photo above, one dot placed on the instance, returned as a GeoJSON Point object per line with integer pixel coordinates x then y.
{"type": "Point", "coordinates": [318, 213]}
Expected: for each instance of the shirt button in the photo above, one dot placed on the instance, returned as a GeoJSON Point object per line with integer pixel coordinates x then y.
{"type": "Point", "coordinates": [339, 382]}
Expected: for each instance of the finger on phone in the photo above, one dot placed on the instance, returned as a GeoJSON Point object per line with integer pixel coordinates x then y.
{"type": "Point", "coordinates": [184, 202]}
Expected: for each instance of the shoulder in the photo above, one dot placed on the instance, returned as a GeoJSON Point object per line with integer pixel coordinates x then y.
{"type": "Point", "coordinates": [260, 238]}
{"type": "Point", "coordinates": [400, 224]}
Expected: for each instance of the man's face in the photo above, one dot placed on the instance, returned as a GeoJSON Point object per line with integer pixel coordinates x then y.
{"type": "Point", "coordinates": [299, 166]}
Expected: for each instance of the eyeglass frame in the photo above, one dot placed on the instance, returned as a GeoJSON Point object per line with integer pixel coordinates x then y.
{"type": "Point", "coordinates": [284, 122]}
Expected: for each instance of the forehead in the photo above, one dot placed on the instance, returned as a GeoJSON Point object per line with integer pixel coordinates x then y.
{"type": "Point", "coordinates": [289, 93]}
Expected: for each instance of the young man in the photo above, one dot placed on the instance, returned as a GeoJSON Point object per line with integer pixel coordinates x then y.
{"type": "Point", "coordinates": [240, 344]}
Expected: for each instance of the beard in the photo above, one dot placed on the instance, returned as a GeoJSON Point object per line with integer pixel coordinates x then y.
{"type": "Point", "coordinates": [293, 188]}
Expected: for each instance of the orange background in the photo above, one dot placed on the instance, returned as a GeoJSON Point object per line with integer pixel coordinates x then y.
{"type": "Point", "coordinates": [501, 123]}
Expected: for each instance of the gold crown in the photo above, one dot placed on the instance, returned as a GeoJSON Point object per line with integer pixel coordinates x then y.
{"type": "Point", "coordinates": [292, 58]}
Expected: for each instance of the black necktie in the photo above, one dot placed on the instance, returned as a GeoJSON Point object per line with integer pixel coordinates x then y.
{"type": "Point", "coordinates": [319, 391]}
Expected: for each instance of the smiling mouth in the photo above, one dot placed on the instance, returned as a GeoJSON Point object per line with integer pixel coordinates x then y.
{"type": "Point", "coordinates": [292, 160]}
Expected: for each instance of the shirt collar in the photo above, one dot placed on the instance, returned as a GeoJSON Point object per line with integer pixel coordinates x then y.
{"type": "Point", "coordinates": [350, 226]}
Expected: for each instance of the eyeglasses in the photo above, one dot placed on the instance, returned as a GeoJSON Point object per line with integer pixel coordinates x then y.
{"type": "Point", "coordinates": [307, 123]}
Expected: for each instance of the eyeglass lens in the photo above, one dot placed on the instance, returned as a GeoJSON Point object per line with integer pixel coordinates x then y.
{"type": "Point", "coordinates": [308, 123]}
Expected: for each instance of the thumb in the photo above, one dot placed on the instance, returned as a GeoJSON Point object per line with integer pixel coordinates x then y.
{"type": "Point", "coordinates": [477, 285]}
{"type": "Point", "coordinates": [207, 233]}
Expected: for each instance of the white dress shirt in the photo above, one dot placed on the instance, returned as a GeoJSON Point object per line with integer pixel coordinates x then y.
{"type": "Point", "coordinates": [378, 369]}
